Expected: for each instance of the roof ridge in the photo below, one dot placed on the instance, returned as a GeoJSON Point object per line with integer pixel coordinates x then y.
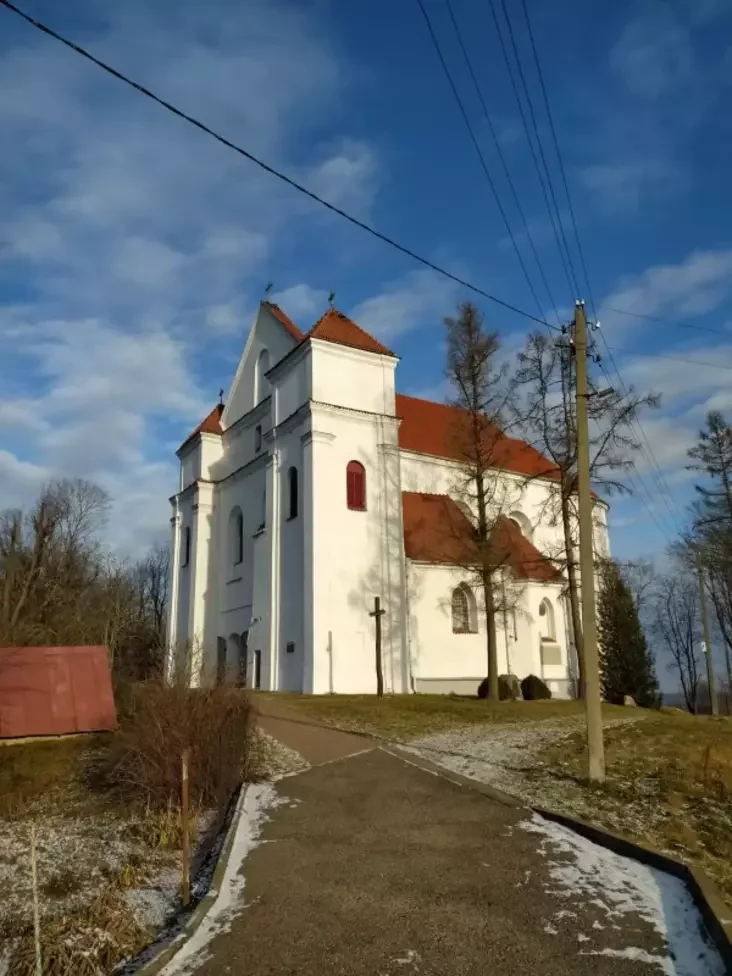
{"type": "Point", "coordinates": [332, 320]}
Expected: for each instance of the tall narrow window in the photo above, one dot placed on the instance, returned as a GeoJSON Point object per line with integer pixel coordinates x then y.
{"type": "Point", "coordinates": [356, 486]}
{"type": "Point", "coordinates": [236, 536]}
{"type": "Point", "coordinates": [292, 493]}
{"type": "Point", "coordinates": [220, 660]}
{"type": "Point", "coordinates": [464, 611]}
{"type": "Point", "coordinates": [262, 383]}
{"type": "Point", "coordinates": [258, 438]}
{"type": "Point", "coordinates": [546, 621]}
{"type": "Point", "coordinates": [186, 545]}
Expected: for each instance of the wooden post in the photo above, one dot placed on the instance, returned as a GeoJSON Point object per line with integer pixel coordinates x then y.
{"type": "Point", "coordinates": [36, 912]}
{"type": "Point", "coordinates": [593, 699]}
{"type": "Point", "coordinates": [377, 613]}
{"type": "Point", "coordinates": [711, 680]}
{"type": "Point", "coordinates": [186, 866]}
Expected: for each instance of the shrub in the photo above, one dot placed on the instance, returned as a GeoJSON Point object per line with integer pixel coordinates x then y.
{"type": "Point", "coordinates": [215, 724]}
{"type": "Point", "coordinates": [534, 689]}
{"type": "Point", "coordinates": [509, 688]}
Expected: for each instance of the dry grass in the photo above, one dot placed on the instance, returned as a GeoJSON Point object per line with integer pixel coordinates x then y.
{"type": "Point", "coordinates": [669, 783]}
{"type": "Point", "coordinates": [410, 716]}
{"type": "Point", "coordinates": [86, 944]}
{"type": "Point", "coordinates": [51, 771]}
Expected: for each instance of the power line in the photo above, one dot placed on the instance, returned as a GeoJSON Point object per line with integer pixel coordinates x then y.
{"type": "Point", "coordinates": [501, 156]}
{"type": "Point", "coordinates": [535, 125]}
{"type": "Point", "coordinates": [677, 359]}
{"type": "Point", "coordinates": [268, 168]}
{"type": "Point", "coordinates": [520, 106]}
{"type": "Point", "coordinates": [650, 457]}
{"type": "Point", "coordinates": [559, 154]}
{"type": "Point", "coordinates": [478, 150]}
{"type": "Point", "coordinates": [680, 325]}
{"type": "Point", "coordinates": [647, 451]}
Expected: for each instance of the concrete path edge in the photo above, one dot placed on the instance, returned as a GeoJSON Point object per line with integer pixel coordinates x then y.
{"type": "Point", "coordinates": [717, 917]}
{"type": "Point", "coordinates": [196, 917]}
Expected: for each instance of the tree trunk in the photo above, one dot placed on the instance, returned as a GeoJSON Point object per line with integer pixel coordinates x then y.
{"type": "Point", "coordinates": [491, 642]}
{"type": "Point", "coordinates": [574, 603]}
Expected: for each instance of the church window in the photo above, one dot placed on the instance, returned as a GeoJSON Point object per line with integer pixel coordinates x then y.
{"type": "Point", "coordinates": [236, 535]}
{"type": "Point", "coordinates": [292, 493]}
{"type": "Point", "coordinates": [186, 545]}
{"type": "Point", "coordinates": [356, 486]}
{"type": "Point", "coordinates": [258, 438]}
{"type": "Point", "coordinates": [546, 621]}
{"type": "Point", "coordinates": [464, 616]}
{"type": "Point", "coordinates": [261, 389]}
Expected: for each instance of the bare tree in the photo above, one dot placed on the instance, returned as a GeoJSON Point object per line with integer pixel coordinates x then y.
{"type": "Point", "coordinates": [547, 382]}
{"type": "Point", "coordinates": [59, 586]}
{"type": "Point", "coordinates": [482, 393]}
{"type": "Point", "coordinates": [677, 628]}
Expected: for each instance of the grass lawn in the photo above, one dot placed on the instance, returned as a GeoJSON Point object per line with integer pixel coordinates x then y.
{"type": "Point", "coordinates": [669, 783]}
{"type": "Point", "coordinates": [409, 716]}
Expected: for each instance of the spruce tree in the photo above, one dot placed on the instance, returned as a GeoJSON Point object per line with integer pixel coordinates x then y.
{"type": "Point", "coordinates": [627, 666]}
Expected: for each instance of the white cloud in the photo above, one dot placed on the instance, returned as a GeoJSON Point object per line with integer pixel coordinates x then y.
{"type": "Point", "coordinates": [347, 178]}
{"type": "Point", "coordinates": [419, 300]}
{"type": "Point", "coordinates": [137, 240]}
{"type": "Point", "coordinates": [653, 56]}
{"type": "Point", "coordinates": [302, 303]}
{"type": "Point", "coordinates": [698, 284]}
{"type": "Point", "coordinates": [623, 186]}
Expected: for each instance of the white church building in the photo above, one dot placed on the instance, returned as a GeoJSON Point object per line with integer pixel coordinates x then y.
{"type": "Point", "coordinates": [317, 488]}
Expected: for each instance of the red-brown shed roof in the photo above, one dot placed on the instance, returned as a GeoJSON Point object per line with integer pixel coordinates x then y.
{"type": "Point", "coordinates": [437, 531]}
{"type": "Point", "coordinates": [55, 691]}
{"type": "Point", "coordinates": [334, 326]}
{"type": "Point", "coordinates": [444, 431]}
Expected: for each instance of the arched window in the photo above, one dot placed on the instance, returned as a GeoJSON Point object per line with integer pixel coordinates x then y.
{"type": "Point", "coordinates": [546, 621]}
{"type": "Point", "coordinates": [236, 535]}
{"type": "Point", "coordinates": [523, 524]}
{"type": "Point", "coordinates": [186, 548]}
{"type": "Point", "coordinates": [292, 493]}
{"type": "Point", "coordinates": [356, 486]}
{"type": "Point", "coordinates": [261, 389]}
{"type": "Point", "coordinates": [464, 616]}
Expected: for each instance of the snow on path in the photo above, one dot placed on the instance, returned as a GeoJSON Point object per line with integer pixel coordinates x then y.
{"type": "Point", "coordinates": [622, 886]}
{"type": "Point", "coordinates": [252, 813]}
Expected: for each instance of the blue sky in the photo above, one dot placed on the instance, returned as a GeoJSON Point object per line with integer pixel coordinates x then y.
{"type": "Point", "coordinates": [134, 249]}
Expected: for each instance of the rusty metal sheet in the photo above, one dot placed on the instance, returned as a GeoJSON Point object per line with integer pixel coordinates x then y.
{"type": "Point", "coordinates": [55, 691]}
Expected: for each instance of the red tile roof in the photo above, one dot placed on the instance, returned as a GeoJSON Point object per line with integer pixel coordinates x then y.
{"type": "Point", "coordinates": [296, 333]}
{"type": "Point", "coordinates": [443, 431]}
{"type": "Point", "coordinates": [437, 531]}
{"type": "Point", "coordinates": [211, 424]}
{"type": "Point", "coordinates": [334, 326]}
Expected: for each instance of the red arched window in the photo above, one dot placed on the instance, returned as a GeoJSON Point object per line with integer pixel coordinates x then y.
{"type": "Point", "coordinates": [356, 486]}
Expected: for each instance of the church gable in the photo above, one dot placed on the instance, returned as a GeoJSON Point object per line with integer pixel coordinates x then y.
{"type": "Point", "coordinates": [273, 335]}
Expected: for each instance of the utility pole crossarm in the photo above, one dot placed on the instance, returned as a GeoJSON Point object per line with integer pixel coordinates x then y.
{"type": "Point", "coordinates": [593, 700]}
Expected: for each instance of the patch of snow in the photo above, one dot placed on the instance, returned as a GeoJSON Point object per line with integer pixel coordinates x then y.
{"type": "Point", "coordinates": [582, 938]}
{"type": "Point", "coordinates": [550, 930]}
{"type": "Point", "coordinates": [251, 814]}
{"type": "Point", "coordinates": [624, 887]}
{"type": "Point", "coordinates": [636, 955]}
{"type": "Point", "coordinates": [411, 959]}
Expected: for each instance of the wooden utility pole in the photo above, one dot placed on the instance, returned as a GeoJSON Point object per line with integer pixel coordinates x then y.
{"type": "Point", "coordinates": [185, 890]}
{"type": "Point", "coordinates": [711, 680]}
{"type": "Point", "coordinates": [377, 613]}
{"type": "Point", "coordinates": [36, 911]}
{"type": "Point", "coordinates": [593, 700]}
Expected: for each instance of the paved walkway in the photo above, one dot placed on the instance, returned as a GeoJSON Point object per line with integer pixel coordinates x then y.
{"type": "Point", "coordinates": [315, 742]}
{"type": "Point", "coordinates": [374, 867]}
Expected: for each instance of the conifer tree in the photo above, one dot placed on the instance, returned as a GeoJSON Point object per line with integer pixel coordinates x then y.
{"type": "Point", "coordinates": [627, 666]}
